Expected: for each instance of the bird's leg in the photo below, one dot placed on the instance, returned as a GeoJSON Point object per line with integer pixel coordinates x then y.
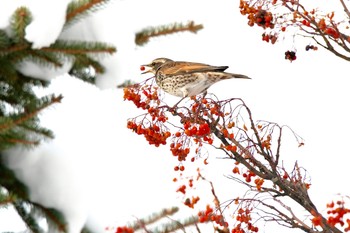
{"type": "Point", "coordinates": [184, 95]}
{"type": "Point", "coordinates": [204, 94]}
{"type": "Point", "coordinates": [179, 102]}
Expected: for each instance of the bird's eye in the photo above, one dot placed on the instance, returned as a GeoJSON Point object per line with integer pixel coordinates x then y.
{"type": "Point", "coordinates": [153, 64]}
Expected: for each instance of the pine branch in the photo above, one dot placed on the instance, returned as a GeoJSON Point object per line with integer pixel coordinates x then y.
{"type": "Point", "coordinates": [8, 74]}
{"type": "Point", "coordinates": [22, 128]}
{"type": "Point", "coordinates": [29, 211]}
{"type": "Point", "coordinates": [55, 219]}
{"type": "Point", "coordinates": [78, 9]}
{"type": "Point", "coordinates": [21, 208]}
{"type": "Point", "coordinates": [16, 93]}
{"type": "Point", "coordinates": [126, 83]}
{"type": "Point", "coordinates": [84, 74]}
{"type": "Point", "coordinates": [13, 51]}
{"type": "Point", "coordinates": [86, 230]}
{"type": "Point", "coordinates": [79, 47]}
{"type": "Point", "coordinates": [86, 68]}
{"type": "Point", "coordinates": [171, 226]}
{"type": "Point", "coordinates": [20, 105]}
{"type": "Point", "coordinates": [5, 197]}
{"type": "Point", "coordinates": [19, 21]}
{"type": "Point", "coordinates": [11, 48]}
{"type": "Point", "coordinates": [144, 36]}
{"type": "Point", "coordinates": [27, 116]}
{"type": "Point", "coordinates": [40, 57]}
{"type": "Point", "coordinates": [86, 62]}
{"type": "Point", "coordinates": [141, 223]}
{"type": "Point", "coordinates": [9, 181]}
{"type": "Point", "coordinates": [176, 225]}
{"type": "Point", "coordinates": [4, 40]}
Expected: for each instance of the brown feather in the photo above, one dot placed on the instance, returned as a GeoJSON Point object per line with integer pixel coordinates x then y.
{"type": "Point", "coordinates": [171, 68]}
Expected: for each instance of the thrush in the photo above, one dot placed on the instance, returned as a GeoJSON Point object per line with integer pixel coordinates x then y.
{"type": "Point", "coordinates": [185, 79]}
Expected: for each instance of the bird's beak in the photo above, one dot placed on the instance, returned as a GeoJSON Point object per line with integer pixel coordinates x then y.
{"type": "Point", "coordinates": [147, 71]}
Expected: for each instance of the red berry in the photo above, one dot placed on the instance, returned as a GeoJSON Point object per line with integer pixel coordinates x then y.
{"type": "Point", "coordinates": [142, 68]}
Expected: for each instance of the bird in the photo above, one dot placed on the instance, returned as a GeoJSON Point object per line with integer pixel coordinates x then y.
{"type": "Point", "coordinates": [186, 79]}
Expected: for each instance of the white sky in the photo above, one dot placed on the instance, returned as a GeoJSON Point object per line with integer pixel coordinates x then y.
{"type": "Point", "coordinates": [98, 169]}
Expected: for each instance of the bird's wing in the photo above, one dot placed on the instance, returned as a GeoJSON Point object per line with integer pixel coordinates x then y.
{"type": "Point", "coordinates": [180, 67]}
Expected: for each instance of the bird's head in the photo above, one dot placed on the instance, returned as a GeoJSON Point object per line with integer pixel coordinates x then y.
{"type": "Point", "coordinates": [155, 65]}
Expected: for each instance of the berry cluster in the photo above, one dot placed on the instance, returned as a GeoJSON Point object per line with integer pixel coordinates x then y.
{"type": "Point", "coordinates": [232, 148]}
{"type": "Point", "coordinates": [182, 189]}
{"type": "Point", "coordinates": [264, 19]}
{"type": "Point", "coordinates": [313, 47]}
{"type": "Point", "coordinates": [197, 131]}
{"type": "Point", "coordinates": [248, 176]}
{"type": "Point", "coordinates": [204, 216]}
{"type": "Point", "coordinates": [275, 16]}
{"type": "Point", "coordinates": [329, 30]}
{"type": "Point", "coordinates": [227, 134]}
{"type": "Point", "coordinates": [179, 168]}
{"type": "Point", "coordinates": [306, 23]}
{"type": "Point", "coordinates": [269, 38]}
{"type": "Point", "coordinates": [207, 108]}
{"type": "Point", "coordinates": [191, 202]}
{"type": "Point", "coordinates": [290, 55]}
{"type": "Point", "coordinates": [146, 98]}
{"type": "Point", "coordinates": [333, 32]}
{"type": "Point", "coordinates": [124, 229]}
{"type": "Point", "coordinates": [141, 100]}
{"type": "Point", "coordinates": [243, 216]}
{"type": "Point", "coordinates": [180, 151]}
{"type": "Point", "coordinates": [152, 133]}
{"type": "Point", "coordinates": [259, 182]}
{"type": "Point", "coordinates": [256, 15]}
{"type": "Point", "coordinates": [338, 211]}
{"type": "Point", "coordinates": [267, 142]}
{"type": "Point", "coordinates": [157, 115]}
{"type": "Point", "coordinates": [209, 216]}
{"type": "Point", "coordinates": [317, 218]}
